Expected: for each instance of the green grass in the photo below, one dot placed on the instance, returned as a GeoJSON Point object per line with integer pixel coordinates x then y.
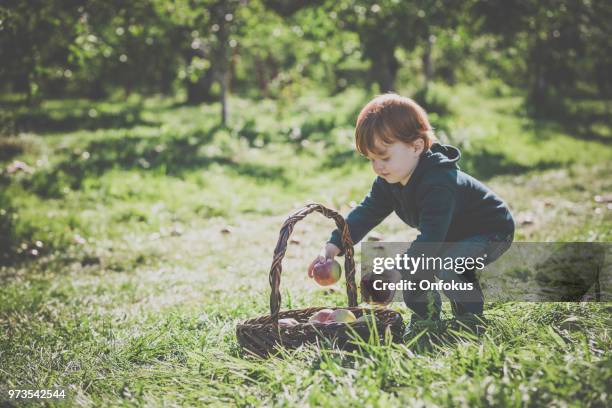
{"type": "Point", "coordinates": [136, 288]}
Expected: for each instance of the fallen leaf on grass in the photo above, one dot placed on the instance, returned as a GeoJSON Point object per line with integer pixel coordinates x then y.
{"type": "Point", "coordinates": [571, 323]}
{"type": "Point", "coordinates": [177, 230]}
{"type": "Point", "coordinates": [374, 236]}
{"type": "Point", "coordinates": [79, 239]}
{"type": "Point", "coordinates": [17, 165]}
{"type": "Point", "coordinates": [606, 198]}
{"type": "Point", "coordinates": [525, 219]}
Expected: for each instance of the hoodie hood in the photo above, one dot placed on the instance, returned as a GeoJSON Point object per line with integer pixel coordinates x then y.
{"type": "Point", "coordinates": [441, 155]}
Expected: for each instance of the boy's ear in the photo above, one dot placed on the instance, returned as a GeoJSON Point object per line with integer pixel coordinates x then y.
{"type": "Point", "coordinates": [419, 145]}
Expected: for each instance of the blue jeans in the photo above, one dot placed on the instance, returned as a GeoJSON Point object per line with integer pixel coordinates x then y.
{"type": "Point", "coordinates": [426, 304]}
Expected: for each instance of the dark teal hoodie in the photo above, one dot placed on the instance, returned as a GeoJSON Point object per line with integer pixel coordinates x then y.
{"type": "Point", "coordinates": [442, 202]}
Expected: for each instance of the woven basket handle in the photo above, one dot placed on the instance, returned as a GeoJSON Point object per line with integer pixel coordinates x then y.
{"type": "Point", "coordinates": [281, 247]}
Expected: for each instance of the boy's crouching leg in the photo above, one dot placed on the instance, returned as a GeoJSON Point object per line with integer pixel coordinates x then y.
{"type": "Point", "coordinates": [460, 284]}
{"type": "Point", "coordinates": [465, 294]}
{"type": "Point", "coordinates": [425, 304]}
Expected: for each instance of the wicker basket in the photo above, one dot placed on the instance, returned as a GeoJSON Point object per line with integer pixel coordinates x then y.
{"type": "Point", "coordinates": [262, 335]}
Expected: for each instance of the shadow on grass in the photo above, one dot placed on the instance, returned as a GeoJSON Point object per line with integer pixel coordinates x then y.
{"type": "Point", "coordinates": [43, 121]}
{"type": "Point", "coordinates": [581, 118]}
{"type": "Point", "coordinates": [340, 158]}
{"type": "Point", "coordinates": [484, 164]}
{"type": "Point", "coordinates": [587, 127]}
{"type": "Point", "coordinates": [10, 148]}
{"type": "Point", "coordinates": [170, 156]}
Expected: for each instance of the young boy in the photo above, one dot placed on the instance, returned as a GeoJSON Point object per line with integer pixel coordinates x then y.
{"type": "Point", "coordinates": [419, 179]}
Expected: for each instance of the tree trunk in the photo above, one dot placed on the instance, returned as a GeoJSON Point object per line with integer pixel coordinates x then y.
{"type": "Point", "coordinates": [538, 86]}
{"type": "Point", "coordinates": [260, 74]}
{"type": "Point", "coordinates": [384, 69]}
{"type": "Point", "coordinates": [223, 81]}
{"type": "Point", "coordinates": [199, 92]}
{"type": "Point", "coordinates": [96, 90]}
{"type": "Point", "coordinates": [222, 60]}
{"type": "Point", "coordinates": [427, 62]}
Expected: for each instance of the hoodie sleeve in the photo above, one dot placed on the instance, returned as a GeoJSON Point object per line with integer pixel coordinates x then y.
{"type": "Point", "coordinates": [374, 208]}
{"type": "Point", "coordinates": [437, 203]}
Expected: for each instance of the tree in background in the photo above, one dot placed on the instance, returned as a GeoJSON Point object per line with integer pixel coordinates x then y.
{"type": "Point", "coordinates": [564, 44]}
{"type": "Point", "coordinates": [316, 51]}
{"type": "Point", "coordinates": [385, 26]}
{"type": "Point", "coordinates": [124, 44]}
{"type": "Point", "coordinates": [206, 49]}
{"type": "Point", "coordinates": [208, 28]}
{"type": "Point", "coordinates": [35, 39]}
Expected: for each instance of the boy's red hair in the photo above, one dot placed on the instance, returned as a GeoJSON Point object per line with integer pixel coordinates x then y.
{"type": "Point", "coordinates": [390, 118]}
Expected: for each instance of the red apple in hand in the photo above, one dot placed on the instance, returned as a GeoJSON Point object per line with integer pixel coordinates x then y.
{"type": "Point", "coordinates": [325, 272]}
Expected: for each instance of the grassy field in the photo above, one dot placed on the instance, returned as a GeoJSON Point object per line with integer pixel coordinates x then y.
{"type": "Point", "coordinates": [138, 234]}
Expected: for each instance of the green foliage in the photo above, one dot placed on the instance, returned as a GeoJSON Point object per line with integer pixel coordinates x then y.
{"type": "Point", "coordinates": [9, 148]}
{"type": "Point", "coordinates": [126, 45]}
{"type": "Point", "coordinates": [202, 50]}
{"type": "Point", "coordinates": [434, 100]}
{"type": "Point", "coordinates": [7, 228]}
{"type": "Point", "coordinates": [562, 48]}
{"type": "Point", "coordinates": [35, 45]}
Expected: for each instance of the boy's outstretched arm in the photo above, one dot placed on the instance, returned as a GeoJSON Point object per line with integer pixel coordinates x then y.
{"type": "Point", "coordinates": [374, 208]}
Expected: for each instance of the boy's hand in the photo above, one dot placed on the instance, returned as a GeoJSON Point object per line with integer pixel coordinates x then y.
{"type": "Point", "coordinates": [329, 252]}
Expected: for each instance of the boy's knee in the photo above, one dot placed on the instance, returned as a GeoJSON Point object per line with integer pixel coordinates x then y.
{"type": "Point", "coordinates": [452, 275]}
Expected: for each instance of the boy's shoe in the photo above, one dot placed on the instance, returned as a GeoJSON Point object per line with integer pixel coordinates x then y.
{"type": "Point", "coordinates": [424, 329]}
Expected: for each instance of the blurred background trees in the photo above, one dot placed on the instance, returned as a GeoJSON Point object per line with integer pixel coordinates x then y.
{"type": "Point", "coordinates": [561, 47]}
{"type": "Point", "coordinates": [201, 50]}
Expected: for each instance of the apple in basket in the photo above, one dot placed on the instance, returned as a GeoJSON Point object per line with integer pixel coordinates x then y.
{"type": "Point", "coordinates": [342, 316]}
{"type": "Point", "coordinates": [368, 318]}
{"type": "Point", "coordinates": [322, 316]}
{"type": "Point", "coordinates": [287, 322]}
{"type": "Point", "coordinates": [325, 273]}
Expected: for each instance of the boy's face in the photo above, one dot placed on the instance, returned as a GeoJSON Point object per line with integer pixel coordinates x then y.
{"type": "Point", "coordinates": [396, 161]}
